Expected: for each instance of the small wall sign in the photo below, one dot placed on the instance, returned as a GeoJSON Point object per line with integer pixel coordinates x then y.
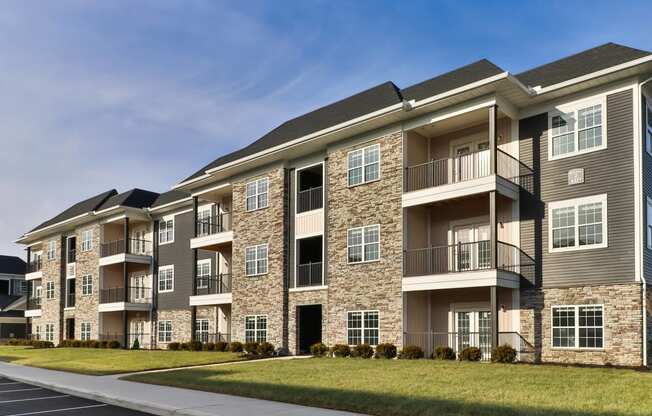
{"type": "Point", "coordinates": [576, 176]}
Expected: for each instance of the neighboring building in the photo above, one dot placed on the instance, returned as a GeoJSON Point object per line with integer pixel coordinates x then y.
{"type": "Point", "coordinates": [12, 299]}
{"type": "Point", "coordinates": [471, 209]}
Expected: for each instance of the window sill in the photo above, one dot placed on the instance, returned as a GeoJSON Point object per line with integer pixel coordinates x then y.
{"type": "Point", "coordinates": [308, 288]}
{"type": "Point", "coordinates": [362, 183]}
{"type": "Point", "coordinates": [577, 349]}
{"type": "Point", "coordinates": [256, 209]}
{"type": "Point", "coordinates": [578, 248]}
{"type": "Point", "coordinates": [165, 243]}
{"type": "Point", "coordinates": [353, 263]}
{"type": "Point", "coordinates": [578, 153]}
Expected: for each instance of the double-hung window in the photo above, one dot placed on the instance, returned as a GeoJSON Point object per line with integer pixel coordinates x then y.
{"type": "Point", "coordinates": [85, 331]}
{"type": "Point", "coordinates": [52, 250]}
{"type": "Point", "coordinates": [577, 224]}
{"type": "Point", "coordinates": [648, 128]}
{"type": "Point", "coordinates": [649, 223]}
{"type": "Point", "coordinates": [203, 273]}
{"type": "Point", "coordinates": [201, 330]}
{"type": "Point", "coordinates": [86, 240]}
{"type": "Point", "coordinates": [577, 128]}
{"type": "Point", "coordinates": [256, 328]}
{"type": "Point", "coordinates": [362, 327]}
{"type": "Point", "coordinates": [166, 230]}
{"type": "Point", "coordinates": [363, 244]}
{"type": "Point", "coordinates": [164, 331]}
{"type": "Point", "coordinates": [166, 279]}
{"type": "Point", "coordinates": [578, 326]}
{"type": "Point", "coordinates": [256, 260]}
{"type": "Point", "coordinates": [87, 285]}
{"type": "Point", "coordinates": [364, 165]}
{"type": "Point", "coordinates": [49, 290]}
{"type": "Point", "coordinates": [257, 194]}
{"type": "Point", "coordinates": [49, 332]}
{"type": "Point", "coordinates": [204, 222]}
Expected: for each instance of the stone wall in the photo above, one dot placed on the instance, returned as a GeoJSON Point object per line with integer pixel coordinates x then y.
{"type": "Point", "coordinates": [210, 313]}
{"type": "Point", "coordinates": [51, 309]}
{"type": "Point", "coordinates": [623, 322]}
{"type": "Point", "coordinates": [87, 262]}
{"type": "Point", "coordinates": [375, 285]}
{"type": "Point", "coordinates": [264, 294]}
{"type": "Point", "coordinates": [181, 328]}
{"type": "Point", "coordinates": [309, 297]}
{"type": "Point", "coordinates": [648, 311]}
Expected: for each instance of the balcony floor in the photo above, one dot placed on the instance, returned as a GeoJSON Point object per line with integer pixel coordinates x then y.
{"type": "Point", "coordinates": [458, 280]}
{"type": "Point", "coordinates": [212, 241]}
{"type": "Point", "coordinates": [214, 299]}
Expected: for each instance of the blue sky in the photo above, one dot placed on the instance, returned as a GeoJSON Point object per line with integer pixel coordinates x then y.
{"type": "Point", "coordinates": [123, 94]}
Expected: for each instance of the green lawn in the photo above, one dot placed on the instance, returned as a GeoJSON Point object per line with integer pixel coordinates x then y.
{"type": "Point", "coordinates": [426, 387]}
{"type": "Point", "coordinates": [108, 361]}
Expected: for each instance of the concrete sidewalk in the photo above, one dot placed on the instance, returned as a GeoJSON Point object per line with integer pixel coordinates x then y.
{"type": "Point", "coordinates": [158, 400]}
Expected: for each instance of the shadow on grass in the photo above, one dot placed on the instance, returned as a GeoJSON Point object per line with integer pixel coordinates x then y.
{"type": "Point", "coordinates": [382, 404]}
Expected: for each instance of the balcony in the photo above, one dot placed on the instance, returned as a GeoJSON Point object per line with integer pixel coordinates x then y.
{"type": "Point", "coordinates": [144, 339]}
{"type": "Point", "coordinates": [133, 298]}
{"type": "Point", "coordinates": [216, 337]}
{"type": "Point", "coordinates": [34, 269]}
{"type": "Point", "coordinates": [310, 199]}
{"type": "Point", "coordinates": [213, 232]}
{"type": "Point", "coordinates": [212, 290]}
{"type": "Point", "coordinates": [131, 250]}
{"type": "Point", "coordinates": [70, 300]}
{"type": "Point", "coordinates": [33, 307]}
{"type": "Point", "coordinates": [72, 256]}
{"type": "Point", "coordinates": [309, 274]}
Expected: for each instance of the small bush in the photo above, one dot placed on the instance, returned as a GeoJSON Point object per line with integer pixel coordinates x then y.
{"type": "Point", "coordinates": [195, 346]}
{"type": "Point", "coordinates": [63, 344]}
{"type": "Point", "coordinates": [104, 344]}
{"type": "Point", "coordinates": [42, 344]}
{"type": "Point", "coordinates": [87, 343]}
{"type": "Point", "coordinates": [411, 352]}
{"type": "Point", "coordinates": [114, 345]}
{"type": "Point", "coordinates": [318, 350]}
{"type": "Point", "coordinates": [471, 354]}
{"type": "Point", "coordinates": [265, 349]}
{"type": "Point", "coordinates": [93, 344]}
{"type": "Point", "coordinates": [221, 346]}
{"type": "Point", "coordinates": [251, 348]}
{"type": "Point", "coordinates": [387, 351]}
{"type": "Point", "coordinates": [235, 346]}
{"type": "Point", "coordinates": [174, 346]}
{"type": "Point", "coordinates": [208, 346]}
{"type": "Point", "coordinates": [341, 350]}
{"type": "Point", "coordinates": [503, 354]}
{"type": "Point", "coordinates": [136, 345]}
{"type": "Point", "coordinates": [444, 353]}
{"type": "Point", "coordinates": [362, 351]}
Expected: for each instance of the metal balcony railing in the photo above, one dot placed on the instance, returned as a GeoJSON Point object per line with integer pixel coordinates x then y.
{"type": "Point", "coordinates": [131, 246]}
{"type": "Point", "coordinates": [33, 303]}
{"type": "Point", "coordinates": [34, 265]}
{"type": "Point", "coordinates": [70, 300]}
{"type": "Point", "coordinates": [310, 199]}
{"type": "Point", "coordinates": [135, 294]}
{"type": "Point", "coordinates": [460, 340]}
{"type": "Point", "coordinates": [309, 274]}
{"type": "Point", "coordinates": [208, 337]}
{"type": "Point", "coordinates": [72, 255]}
{"type": "Point", "coordinates": [214, 224]}
{"type": "Point", "coordinates": [213, 284]}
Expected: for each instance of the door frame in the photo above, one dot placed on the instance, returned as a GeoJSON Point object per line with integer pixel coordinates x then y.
{"type": "Point", "coordinates": [298, 324]}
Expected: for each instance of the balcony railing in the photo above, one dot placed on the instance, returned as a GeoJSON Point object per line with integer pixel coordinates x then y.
{"type": "Point", "coordinates": [310, 199]}
{"type": "Point", "coordinates": [515, 171]}
{"type": "Point", "coordinates": [214, 224]}
{"type": "Point", "coordinates": [72, 255]}
{"type": "Point", "coordinates": [465, 257]}
{"type": "Point", "coordinates": [218, 337]}
{"type": "Point", "coordinates": [70, 300]}
{"type": "Point", "coordinates": [132, 246]}
{"type": "Point", "coordinates": [136, 294]}
{"type": "Point", "coordinates": [213, 285]}
{"type": "Point", "coordinates": [34, 266]}
{"type": "Point", "coordinates": [458, 341]}
{"type": "Point", "coordinates": [309, 274]}
{"type": "Point", "coordinates": [144, 340]}
{"type": "Point", "coordinates": [33, 303]}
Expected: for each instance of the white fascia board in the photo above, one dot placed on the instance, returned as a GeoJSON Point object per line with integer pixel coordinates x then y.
{"type": "Point", "coordinates": [211, 189]}
{"type": "Point", "coordinates": [25, 237]}
{"type": "Point", "coordinates": [170, 204]}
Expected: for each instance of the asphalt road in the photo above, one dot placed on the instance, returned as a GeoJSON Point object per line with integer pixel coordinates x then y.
{"type": "Point", "coordinates": [21, 399]}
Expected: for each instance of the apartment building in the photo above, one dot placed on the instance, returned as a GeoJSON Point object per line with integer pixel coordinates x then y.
{"type": "Point", "coordinates": [12, 297]}
{"type": "Point", "coordinates": [475, 208]}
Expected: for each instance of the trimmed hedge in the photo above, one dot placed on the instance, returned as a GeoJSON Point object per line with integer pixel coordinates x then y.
{"type": "Point", "coordinates": [114, 345]}
{"type": "Point", "coordinates": [471, 354]}
{"type": "Point", "coordinates": [444, 353]}
{"type": "Point", "coordinates": [362, 351]}
{"type": "Point", "coordinates": [174, 346]}
{"type": "Point", "coordinates": [235, 346]}
{"type": "Point", "coordinates": [250, 348]}
{"type": "Point", "coordinates": [411, 352]}
{"type": "Point", "coordinates": [221, 346]}
{"type": "Point", "coordinates": [208, 346]}
{"type": "Point", "coordinates": [341, 350]}
{"type": "Point", "coordinates": [318, 350]}
{"type": "Point", "coordinates": [265, 349]}
{"type": "Point", "coordinates": [503, 354]}
{"type": "Point", "coordinates": [386, 350]}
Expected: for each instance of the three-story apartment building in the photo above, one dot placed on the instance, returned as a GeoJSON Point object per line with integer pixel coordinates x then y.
{"type": "Point", "coordinates": [473, 209]}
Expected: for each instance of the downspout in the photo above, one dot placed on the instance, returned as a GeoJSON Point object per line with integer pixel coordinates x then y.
{"type": "Point", "coordinates": [645, 363]}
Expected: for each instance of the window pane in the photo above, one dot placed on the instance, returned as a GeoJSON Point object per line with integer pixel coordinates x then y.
{"type": "Point", "coordinates": [355, 176]}
{"type": "Point", "coordinates": [590, 224]}
{"type": "Point", "coordinates": [589, 117]}
{"type": "Point", "coordinates": [371, 251]}
{"type": "Point", "coordinates": [590, 138]}
{"type": "Point", "coordinates": [563, 144]}
{"type": "Point", "coordinates": [563, 327]}
{"type": "Point", "coordinates": [251, 189]}
{"type": "Point", "coordinates": [372, 234]}
{"type": "Point", "coordinates": [371, 172]}
{"type": "Point", "coordinates": [355, 159]}
{"type": "Point", "coordinates": [355, 236]}
{"type": "Point", "coordinates": [355, 254]}
{"type": "Point", "coordinates": [563, 227]}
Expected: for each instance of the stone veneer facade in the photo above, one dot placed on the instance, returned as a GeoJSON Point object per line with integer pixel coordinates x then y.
{"type": "Point", "coordinates": [87, 263]}
{"type": "Point", "coordinates": [181, 328]}
{"type": "Point", "coordinates": [623, 323]}
{"type": "Point", "coordinates": [52, 309]}
{"type": "Point", "coordinates": [308, 297]}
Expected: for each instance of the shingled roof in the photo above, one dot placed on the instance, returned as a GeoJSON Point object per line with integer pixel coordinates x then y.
{"type": "Point", "coordinates": [12, 265]}
{"type": "Point", "coordinates": [83, 207]}
{"type": "Point", "coordinates": [134, 198]}
{"type": "Point", "coordinates": [169, 197]}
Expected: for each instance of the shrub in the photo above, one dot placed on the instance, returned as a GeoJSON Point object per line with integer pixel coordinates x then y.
{"type": "Point", "coordinates": [251, 348]}
{"type": "Point", "coordinates": [63, 344]}
{"type": "Point", "coordinates": [93, 344]}
{"type": "Point", "coordinates": [208, 346]}
{"type": "Point", "coordinates": [444, 353]}
{"type": "Point", "coordinates": [471, 354]}
{"type": "Point", "coordinates": [387, 351]}
{"type": "Point", "coordinates": [136, 345]}
{"type": "Point", "coordinates": [221, 346]}
{"type": "Point", "coordinates": [341, 350]}
{"type": "Point", "coordinates": [42, 344]}
{"type": "Point", "coordinates": [195, 345]}
{"type": "Point", "coordinates": [104, 344]}
{"type": "Point", "coordinates": [503, 354]}
{"type": "Point", "coordinates": [411, 352]}
{"type": "Point", "coordinates": [174, 346]}
{"type": "Point", "coordinates": [318, 350]}
{"type": "Point", "coordinates": [86, 344]}
{"type": "Point", "coordinates": [235, 346]}
{"type": "Point", "coordinates": [114, 345]}
{"type": "Point", "coordinates": [265, 349]}
{"type": "Point", "coordinates": [75, 343]}
{"type": "Point", "coordinates": [362, 351]}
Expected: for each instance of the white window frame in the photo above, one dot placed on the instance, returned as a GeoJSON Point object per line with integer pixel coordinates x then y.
{"type": "Point", "coordinates": [204, 223]}
{"type": "Point", "coordinates": [85, 331]}
{"type": "Point", "coordinates": [164, 234]}
{"type": "Point", "coordinates": [164, 334]}
{"type": "Point", "coordinates": [257, 330]}
{"type": "Point", "coordinates": [362, 328]}
{"type": "Point", "coordinates": [648, 127]}
{"type": "Point", "coordinates": [575, 203]}
{"type": "Point", "coordinates": [49, 332]}
{"type": "Point", "coordinates": [86, 240]}
{"type": "Point", "coordinates": [165, 269]}
{"type": "Point", "coordinates": [200, 324]}
{"type": "Point", "coordinates": [87, 285]}
{"type": "Point", "coordinates": [577, 327]}
{"type": "Point", "coordinates": [648, 224]}
{"type": "Point", "coordinates": [255, 248]}
{"type": "Point", "coordinates": [200, 265]}
{"type": "Point", "coordinates": [49, 290]}
{"type": "Point", "coordinates": [363, 244]}
{"type": "Point", "coordinates": [364, 165]}
{"type": "Point", "coordinates": [572, 110]}
{"type": "Point", "coordinates": [256, 195]}
{"type": "Point", "coordinates": [52, 250]}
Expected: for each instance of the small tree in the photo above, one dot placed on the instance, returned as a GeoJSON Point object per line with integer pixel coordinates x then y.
{"type": "Point", "coordinates": [136, 345]}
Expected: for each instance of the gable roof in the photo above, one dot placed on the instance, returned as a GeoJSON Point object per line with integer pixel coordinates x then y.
{"type": "Point", "coordinates": [169, 197]}
{"type": "Point", "coordinates": [134, 198]}
{"type": "Point", "coordinates": [12, 265]}
{"type": "Point", "coordinates": [83, 207]}
{"type": "Point", "coordinates": [583, 63]}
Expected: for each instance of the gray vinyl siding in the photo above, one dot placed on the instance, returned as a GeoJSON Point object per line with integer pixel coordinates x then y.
{"type": "Point", "coordinates": [647, 192]}
{"type": "Point", "coordinates": [180, 254]}
{"type": "Point", "coordinates": [609, 171]}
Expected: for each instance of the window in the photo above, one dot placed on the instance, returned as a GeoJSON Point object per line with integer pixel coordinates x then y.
{"type": "Point", "coordinates": [648, 129]}
{"type": "Point", "coordinates": [49, 290]}
{"type": "Point", "coordinates": [256, 260]}
{"type": "Point", "coordinates": [87, 285]}
{"type": "Point", "coordinates": [203, 273]}
{"type": "Point", "coordinates": [578, 223]}
{"type": "Point", "coordinates": [166, 278]}
{"type": "Point", "coordinates": [49, 332]}
{"type": "Point", "coordinates": [87, 240]}
{"type": "Point", "coordinates": [649, 223]}
{"type": "Point", "coordinates": [577, 128]}
{"type": "Point", "coordinates": [201, 330]}
{"type": "Point", "coordinates": [364, 165]}
{"type": "Point", "coordinates": [166, 231]}
{"type": "Point", "coordinates": [37, 292]}
{"type": "Point", "coordinates": [362, 327]}
{"type": "Point", "coordinates": [363, 244]}
{"type": "Point", "coordinates": [256, 328]}
{"type": "Point", "coordinates": [257, 194]}
{"type": "Point", "coordinates": [37, 330]}
{"type": "Point", "coordinates": [204, 223]}
{"type": "Point", "coordinates": [580, 326]}
{"type": "Point", "coordinates": [164, 331]}
{"type": "Point", "coordinates": [85, 331]}
{"type": "Point", "coordinates": [52, 249]}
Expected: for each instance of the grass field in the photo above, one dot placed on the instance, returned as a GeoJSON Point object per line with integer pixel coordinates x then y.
{"type": "Point", "coordinates": [108, 361]}
{"type": "Point", "coordinates": [426, 387]}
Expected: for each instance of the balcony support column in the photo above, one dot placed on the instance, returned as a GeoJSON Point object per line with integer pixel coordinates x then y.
{"type": "Point", "coordinates": [125, 273]}
{"type": "Point", "coordinates": [195, 209]}
{"type": "Point", "coordinates": [493, 229]}
{"type": "Point", "coordinates": [494, 316]}
{"type": "Point", "coordinates": [193, 310]}
{"type": "Point", "coordinates": [125, 328]}
{"type": "Point", "coordinates": [28, 326]}
{"type": "Point", "coordinates": [493, 137]}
